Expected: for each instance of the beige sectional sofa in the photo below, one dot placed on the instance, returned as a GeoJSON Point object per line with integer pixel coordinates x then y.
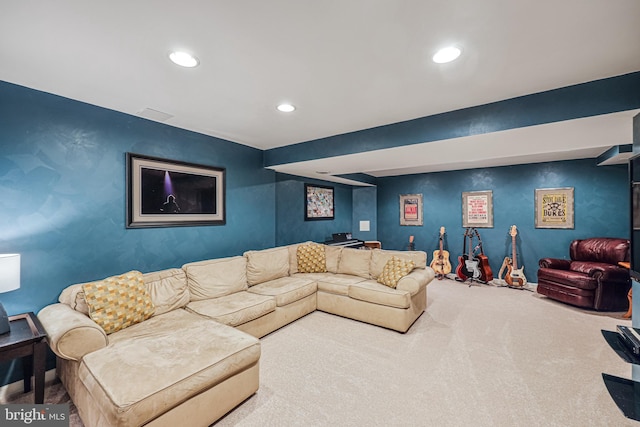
{"type": "Point", "coordinates": [196, 355]}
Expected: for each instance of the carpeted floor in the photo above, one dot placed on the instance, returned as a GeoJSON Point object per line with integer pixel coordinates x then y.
{"type": "Point", "coordinates": [479, 356]}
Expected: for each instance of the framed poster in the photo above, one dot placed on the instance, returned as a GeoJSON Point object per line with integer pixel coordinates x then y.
{"type": "Point", "coordinates": [411, 209]}
{"type": "Point", "coordinates": [319, 202]}
{"type": "Point", "coordinates": [167, 193]}
{"type": "Point", "coordinates": [554, 207]}
{"type": "Point", "coordinates": [477, 209]}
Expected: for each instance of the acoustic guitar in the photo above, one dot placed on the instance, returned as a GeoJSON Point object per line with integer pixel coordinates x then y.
{"type": "Point", "coordinates": [515, 276]}
{"type": "Point", "coordinates": [467, 263]}
{"type": "Point", "coordinates": [486, 274]}
{"type": "Point", "coordinates": [441, 264]}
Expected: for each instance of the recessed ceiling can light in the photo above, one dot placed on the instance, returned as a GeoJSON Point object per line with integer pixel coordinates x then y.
{"type": "Point", "coordinates": [286, 108]}
{"type": "Point", "coordinates": [184, 59]}
{"type": "Point", "coordinates": [446, 54]}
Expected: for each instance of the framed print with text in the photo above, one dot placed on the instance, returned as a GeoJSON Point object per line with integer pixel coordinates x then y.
{"type": "Point", "coordinates": [477, 209]}
{"type": "Point", "coordinates": [554, 207]}
{"type": "Point", "coordinates": [411, 209]}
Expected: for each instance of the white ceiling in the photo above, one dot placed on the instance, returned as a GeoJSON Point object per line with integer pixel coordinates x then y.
{"type": "Point", "coordinates": [347, 65]}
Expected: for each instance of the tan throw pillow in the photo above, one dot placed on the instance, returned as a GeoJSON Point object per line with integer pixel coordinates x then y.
{"type": "Point", "coordinates": [394, 270]}
{"type": "Point", "coordinates": [311, 259]}
{"type": "Point", "coordinates": [118, 302]}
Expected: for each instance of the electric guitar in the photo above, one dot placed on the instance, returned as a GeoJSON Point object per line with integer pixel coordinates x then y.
{"type": "Point", "coordinates": [486, 274]}
{"type": "Point", "coordinates": [441, 264]}
{"type": "Point", "coordinates": [515, 276]}
{"type": "Point", "coordinates": [467, 264]}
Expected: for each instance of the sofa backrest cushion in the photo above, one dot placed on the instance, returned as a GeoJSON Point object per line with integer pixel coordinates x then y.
{"type": "Point", "coordinates": [332, 254]}
{"type": "Point", "coordinates": [609, 250]}
{"type": "Point", "coordinates": [168, 289]}
{"type": "Point", "coordinates": [380, 257]}
{"type": "Point", "coordinates": [216, 278]}
{"type": "Point", "coordinates": [355, 262]}
{"type": "Point", "coordinates": [73, 296]}
{"type": "Point", "coordinates": [118, 302]}
{"type": "Point", "coordinates": [267, 264]}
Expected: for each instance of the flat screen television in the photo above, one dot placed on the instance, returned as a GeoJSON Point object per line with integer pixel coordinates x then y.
{"type": "Point", "coordinates": [634, 203]}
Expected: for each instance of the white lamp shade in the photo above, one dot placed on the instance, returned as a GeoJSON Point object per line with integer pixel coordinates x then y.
{"type": "Point", "coordinates": [9, 272]}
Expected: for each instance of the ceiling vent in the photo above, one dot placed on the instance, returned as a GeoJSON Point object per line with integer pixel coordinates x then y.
{"type": "Point", "coordinates": [151, 114]}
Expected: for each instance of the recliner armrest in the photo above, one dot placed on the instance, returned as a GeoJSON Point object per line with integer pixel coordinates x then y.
{"type": "Point", "coordinates": [601, 271]}
{"type": "Point", "coordinates": [554, 263]}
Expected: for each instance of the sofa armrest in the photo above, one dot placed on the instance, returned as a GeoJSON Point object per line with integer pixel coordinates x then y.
{"type": "Point", "coordinates": [416, 280]}
{"type": "Point", "coordinates": [71, 334]}
{"type": "Point", "coordinates": [554, 263]}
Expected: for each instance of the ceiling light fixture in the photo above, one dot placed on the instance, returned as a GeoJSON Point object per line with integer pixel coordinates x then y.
{"type": "Point", "coordinates": [184, 59]}
{"type": "Point", "coordinates": [286, 108]}
{"type": "Point", "coordinates": [446, 54]}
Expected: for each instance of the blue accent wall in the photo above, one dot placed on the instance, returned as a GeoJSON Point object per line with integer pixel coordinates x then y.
{"type": "Point", "coordinates": [365, 208]}
{"type": "Point", "coordinates": [290, 207]}
{"type": "Point", "coordinates": [62, 181]}
{"type": "Point", "coordinates": [601, 209]}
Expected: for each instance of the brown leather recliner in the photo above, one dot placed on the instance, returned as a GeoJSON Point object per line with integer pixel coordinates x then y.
{"type": "Point", "coordinates": [592, 277]}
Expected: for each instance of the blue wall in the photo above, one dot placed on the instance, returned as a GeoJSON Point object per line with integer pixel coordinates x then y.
{"type": "Point", "coordinates": [365, 208]}
{"type": "Point", "coordinates": [62, 181]}
{"type": "Point", "coordinates": [601, 209]}
{"type": "Point", "coordinates": [290, 206]}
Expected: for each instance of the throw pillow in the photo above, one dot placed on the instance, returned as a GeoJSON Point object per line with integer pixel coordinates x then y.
{"type": "Point", "coordinates": [118, 302]}
{"type": "Point", "coordinates": [311, 259]}
{"type": "Point", "coordinates": [394, 270]}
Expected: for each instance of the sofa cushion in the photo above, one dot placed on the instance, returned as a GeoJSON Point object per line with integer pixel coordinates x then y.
{"type": "Point", "coordinates": [73, 296]}
{"type": "Point", "coordinates": [373, 292]}
{"type": "Point", "coordinates": [311, 258]}
{"type": "Point", "coordinates": [286, 290]}
{"type": "Point", "coordinates": [332, 254]}
{"type": "Point", "coordinates": [188, 354]}
{"type": "Point", "coordinates": [118, 302]}
{"type": "Point", "coordinates": [267, 264]}
{"type": "Point", "coordinates": [168, 289]}
{"type": "Point", "coordinates": [355, 261]}
{"type": "Point", "coordinates": [380, 257]}
{"type": "Point", "coordinates": [216, 277]}
{"type": "Point", "coordinates": [234, 309]}
{"type": "Point", "coordinates": [569, 278]}
{"type": "Point", "coordinates": [394, 270]}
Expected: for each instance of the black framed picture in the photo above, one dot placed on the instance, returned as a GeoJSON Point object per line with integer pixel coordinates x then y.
{"type": "Point", "coordinates": [168, 193]}
{"type": "Point", "coordinates": [319, 202]}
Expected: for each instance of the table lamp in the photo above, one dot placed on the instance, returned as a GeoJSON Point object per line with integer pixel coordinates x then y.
{"type": "Point", "coordinates": [9, 281]}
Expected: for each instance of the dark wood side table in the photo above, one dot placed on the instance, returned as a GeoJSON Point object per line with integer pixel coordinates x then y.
{"type": "Point", "coordinates": [27, 339]}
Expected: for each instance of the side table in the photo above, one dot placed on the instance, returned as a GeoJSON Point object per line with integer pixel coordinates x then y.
{"type": "Point", "coordinates": [27, 339]}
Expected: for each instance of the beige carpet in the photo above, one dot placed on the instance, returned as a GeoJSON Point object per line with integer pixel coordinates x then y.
{"type": "Point", "coordinates": [479, 356]}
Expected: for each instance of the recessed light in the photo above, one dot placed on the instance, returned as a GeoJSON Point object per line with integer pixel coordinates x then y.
{"type": "Point", "coordinates": [184, 59]}
{"type": "Point", "coordinates": [446, 54]}
{"type": "Point", "coordinates": [286, 108]}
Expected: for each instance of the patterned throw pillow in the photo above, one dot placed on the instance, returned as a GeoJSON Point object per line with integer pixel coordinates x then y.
{"type": "Point", "coordinates": [119, 301]}
{"type": "Point", "coordinates": [394, 270]}
{"type": "Point", "coordinates": [311, 259]}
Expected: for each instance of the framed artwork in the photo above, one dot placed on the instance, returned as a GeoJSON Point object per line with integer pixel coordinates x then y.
{"type": "Point", "coordinates": [411, 209]}
{"type": "Point", "coordinates": [318, 202]}
{"type": "Point", "coordinates": [554, 207]}
{"type": "Point", "coordinates": [167, 193]}
{"type": "Point", "coordinates": [477, 209]}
